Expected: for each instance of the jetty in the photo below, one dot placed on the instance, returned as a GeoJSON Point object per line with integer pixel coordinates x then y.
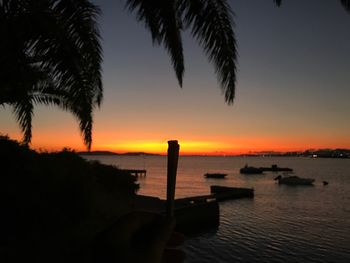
{"type": "Point", "coordinates": [196, 213]}
{"type": "Point", "coordinates": [192, 214]}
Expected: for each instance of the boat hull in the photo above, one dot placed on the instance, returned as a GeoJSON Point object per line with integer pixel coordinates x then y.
{"type": "Point", "coordinates": [215, 175]}
{"type": "Point", "coordinates": [275, 168]}
{"type": "Point", "coordinates": [294, 180]}
{"type": "Point", "coordinates": [250, 170]}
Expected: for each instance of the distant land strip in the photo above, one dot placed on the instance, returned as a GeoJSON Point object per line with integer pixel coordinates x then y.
{"type": "Point", "coordinates": [114, 153]}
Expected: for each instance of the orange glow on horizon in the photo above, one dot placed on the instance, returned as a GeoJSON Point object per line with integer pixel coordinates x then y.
{"type": "Point", "coordinates": [160, 147]}
{"type": "Point", "coordinates": [227, 146]}
{"type": "Point", "coordinates": [189, 146]}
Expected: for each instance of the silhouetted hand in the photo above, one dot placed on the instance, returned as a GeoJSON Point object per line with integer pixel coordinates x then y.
{"type": "Point", "coordinates": [139, 237]}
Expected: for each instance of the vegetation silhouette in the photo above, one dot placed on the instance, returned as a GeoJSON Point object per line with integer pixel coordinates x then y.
{"type": "Point", "coordinates": [53, 203]}
{"type": "Point", "coordinates": [59, 207]}
{"type": "Point", "coordinates": [52, 56]}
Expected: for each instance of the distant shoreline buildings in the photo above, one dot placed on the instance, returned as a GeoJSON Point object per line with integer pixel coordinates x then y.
{"type": "Point", "coordinates": [320, 153]}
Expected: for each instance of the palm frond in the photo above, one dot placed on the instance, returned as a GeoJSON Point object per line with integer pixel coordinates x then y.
{"type": "Point", "coordinates": [45, 98]}
{"type": "Point", "coordinates": [161, 19]}
{"type": "Point", "coordinates": [23, 111]}
{"type": "Point", "coordinates": [84, 116]}
{"type": "Point", "coordinates": [54, 57]}
{"type": "Point", "coordinates": [211, 22]}
{"type": "Point", "coordinates": [78, 19]}
{"type": "Point", "coordinates": [73, 59]}
{"type": "Point", "coordinates": [80, 104]}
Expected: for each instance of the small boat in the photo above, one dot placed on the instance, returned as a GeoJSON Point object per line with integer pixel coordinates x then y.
{"type": "Point", "coordinates": [215, 175]}
{"type": "Point", "coordinates": [275, 168]}
{"type": "Point", "coordinates": [250, 170]}
{"type": "Point", "coordinates": [294, 180]}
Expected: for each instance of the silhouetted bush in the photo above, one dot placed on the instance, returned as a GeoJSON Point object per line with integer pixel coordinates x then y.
{"type": "Point", "coordinates": [46, 194]}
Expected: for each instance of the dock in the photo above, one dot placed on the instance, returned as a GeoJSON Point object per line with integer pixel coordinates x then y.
{"type": "Point", "coordinates": [196, 213]}
{"type": "Point", "coordinates": [196, 216]}
{"type": "Point", "coordinates": [193, 214]}
{"type": "Point", "coordinates": [136, 172]}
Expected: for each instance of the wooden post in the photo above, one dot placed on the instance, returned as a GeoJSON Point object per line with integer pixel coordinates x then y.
{"type": "Point", "coordinates": [173, 156]}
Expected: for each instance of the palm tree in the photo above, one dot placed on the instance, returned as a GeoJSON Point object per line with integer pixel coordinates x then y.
{"type": "Point", "coordinates": [51, 55]}
{"type": "Point", "coordinates": [53, 52]}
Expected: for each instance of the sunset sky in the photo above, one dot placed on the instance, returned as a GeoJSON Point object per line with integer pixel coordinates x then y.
{"type": "Point", "coordinates": [292, 91]}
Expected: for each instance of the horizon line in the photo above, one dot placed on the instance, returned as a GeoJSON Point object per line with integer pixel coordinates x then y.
{"type": "Point", "coordinates": [228, 154]}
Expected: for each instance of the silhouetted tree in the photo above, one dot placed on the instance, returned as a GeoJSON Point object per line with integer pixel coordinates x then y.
{"type": "Point", "coordinates": [50, 54]}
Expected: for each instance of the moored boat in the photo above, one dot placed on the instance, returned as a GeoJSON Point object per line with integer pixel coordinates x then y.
{"type": "Point", "coordinates": [215, 175]}
{"type": "Point", "coordinates": [294, 180]}
{"type": "Point", "coordinates": [250, 170]}
{"type": "Point", "coordinates": [275, 168]}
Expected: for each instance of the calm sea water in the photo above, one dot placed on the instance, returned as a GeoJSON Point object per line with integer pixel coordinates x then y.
{"type": "Point", "coordinates": [281, 223]}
